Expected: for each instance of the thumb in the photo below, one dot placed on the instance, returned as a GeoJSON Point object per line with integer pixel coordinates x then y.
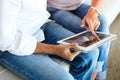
{"type": "Point", "coordinates": [73, 45]}
{"type": "Point", "coordinates": [74, 53]}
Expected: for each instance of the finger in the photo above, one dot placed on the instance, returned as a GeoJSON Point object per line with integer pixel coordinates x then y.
{"type": "Point", "coordinates": [83, 23]}
{"type": "Point", "coordinates": [87, 28]}
{"type": "Point", "coordinates": [74, 54]}
{"type": "Point", "coordinates": [90, 25]}
{"type": "Point", "coordinates": [93, 32]}
{"type": "Point", "coordinates": [92, 28]}
{"type": "Point", "coordinates": [97, 25]}
{"type": "Point", "coordinates": [73, 45]}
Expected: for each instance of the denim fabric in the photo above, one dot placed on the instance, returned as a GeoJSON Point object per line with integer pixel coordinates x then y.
{"type": "Point", "coordinates": [82, 67]}
{"type": "Point", "coordinates": [72, 20]}
{"type": "Point", "coordinates": [35, 67]}
{"type": "Point", "coordinates": [1, 53]}
{"type": "Point", "coordinates": [42, 67]}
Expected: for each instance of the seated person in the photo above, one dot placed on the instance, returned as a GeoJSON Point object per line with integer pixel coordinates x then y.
{"type": "Point", "coordinates": [27, 39]}
{"type": "Point", "coordinates": [76, 16]}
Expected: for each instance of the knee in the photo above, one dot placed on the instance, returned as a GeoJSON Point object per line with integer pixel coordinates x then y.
{"type": "Point", "coordinates": [65, 15]}
{"type": "Point", "coordinates": [93, 57]}
{"type": "Point", "coordinates": [94, 54]}
{"type": "Point", "coordinates": [103, 19]}
{"type": "Point", "coordinates": [104, 25]}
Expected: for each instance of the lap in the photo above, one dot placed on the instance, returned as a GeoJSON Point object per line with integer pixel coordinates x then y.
{"type": "Point", "coordinates": [35, 67]}
{"type": "Point", "coordinates": [54, 32]}
{"type": "Point", "coordinates": [41, 67]}
{"type": "Point", "coordinates": [72, 20]}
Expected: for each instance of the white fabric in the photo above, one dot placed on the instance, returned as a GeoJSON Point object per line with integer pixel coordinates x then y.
{"type": "Point", "coordinates": [20, 22]}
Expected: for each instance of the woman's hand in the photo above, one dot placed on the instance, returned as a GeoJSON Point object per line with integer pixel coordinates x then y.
{"type": "Point", "coordinates": [91, 21]}
{"type": "Point", "coordinates": [63, 50]}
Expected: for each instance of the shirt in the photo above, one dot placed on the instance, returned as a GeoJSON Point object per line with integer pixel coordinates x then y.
{"type": "Point", "coordinates": [20, 23]}
{"type": "Point", "coordinates": [65, 4]}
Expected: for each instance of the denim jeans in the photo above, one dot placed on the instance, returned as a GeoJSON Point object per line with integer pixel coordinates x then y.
{"type": "Point", "coordinates": [72, 20]}
{"type": "Point", "coordinates": [42, 67]}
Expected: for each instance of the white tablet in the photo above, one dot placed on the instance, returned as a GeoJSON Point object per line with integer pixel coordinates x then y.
{"type": "Point", "coordinates": [87, 41]}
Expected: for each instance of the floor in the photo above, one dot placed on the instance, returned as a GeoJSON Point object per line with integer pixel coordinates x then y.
{"type": "Point", "coordinates": [114, 56]}
{"type": "Point", "coordinates": [113, 72]}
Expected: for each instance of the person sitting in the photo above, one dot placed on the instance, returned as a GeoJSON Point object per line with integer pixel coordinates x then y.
{"type": "Point", "coordinates": [77, 16]}
{"type": "Point", "coordinates": [28, 40]}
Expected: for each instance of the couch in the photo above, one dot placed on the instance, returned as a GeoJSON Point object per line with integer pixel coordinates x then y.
{"type": "Point", "coordinates": [110, 8]}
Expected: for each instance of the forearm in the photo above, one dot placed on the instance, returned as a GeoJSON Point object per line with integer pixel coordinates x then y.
{"type": "Point", "coordinates": [96, 3]}
{"type": "Point", "coordinates": [95, 7]}
{"type": "Point", "coordinates": [59, 50]}
{"type": "Point", "coordinates": [42, 48]}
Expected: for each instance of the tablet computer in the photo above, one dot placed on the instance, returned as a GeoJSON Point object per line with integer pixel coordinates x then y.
{"type": "Point", "coordinates": [87, 41]}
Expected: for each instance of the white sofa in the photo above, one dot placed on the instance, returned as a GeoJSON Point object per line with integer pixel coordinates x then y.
{"type": "Point", "coordinates": [110, 9]}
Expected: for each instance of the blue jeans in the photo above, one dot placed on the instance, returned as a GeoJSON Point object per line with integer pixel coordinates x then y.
{"type": "Point", "coordinates": [72, 20]}
{"type": "Point", "coordinates": [42, 67]}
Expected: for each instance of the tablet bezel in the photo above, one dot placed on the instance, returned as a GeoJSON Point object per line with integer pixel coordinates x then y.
{"type": "Point", "coordinates": [109, 38]}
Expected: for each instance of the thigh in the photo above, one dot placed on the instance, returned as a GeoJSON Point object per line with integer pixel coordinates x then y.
{"type": "Point", "coordinates": [35, 67]}
{"type": "Point", "coordinates": [54, 32]}
{"type": "Point", "coordinates": [71, 20]}
{"type": "Point", "coordinates": [67, 19]}
{"type": "Point", "coordinates": [82, 67]}
{"type": "Point", "coordinates": [82, 10]}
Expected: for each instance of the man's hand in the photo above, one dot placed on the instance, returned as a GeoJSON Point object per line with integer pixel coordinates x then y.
{"type": "Point", "coordinates": [64, 51]}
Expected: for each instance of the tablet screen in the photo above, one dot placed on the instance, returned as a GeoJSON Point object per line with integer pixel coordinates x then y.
{"type": "Point", "coordinates": [86, 39]}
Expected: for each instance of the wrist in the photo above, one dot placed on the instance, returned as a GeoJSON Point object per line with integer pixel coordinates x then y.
{"type": "Point", "coordinates": [45, 48]}
{"type": "Point", "coordinates": [96, 10]}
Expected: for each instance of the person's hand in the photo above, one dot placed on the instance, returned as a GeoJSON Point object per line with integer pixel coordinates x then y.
{"type": "Point", "coordinates": [63, 50]}
{"type": "Point", "coordinates": [91, 21]}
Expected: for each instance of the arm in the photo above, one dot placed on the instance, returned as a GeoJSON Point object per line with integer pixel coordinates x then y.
{"type": "Point", "coordinates": [96, 4]}
{"type": "Point", "coordinates": [19, 43]}
{"type": "Point", "coordinates": [59, 50]}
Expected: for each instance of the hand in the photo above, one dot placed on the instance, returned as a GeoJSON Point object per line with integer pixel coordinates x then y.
{"type": "Point", "coordinates": [63, 50]}
{"type": "Point", "coordinates": [91, 21]}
